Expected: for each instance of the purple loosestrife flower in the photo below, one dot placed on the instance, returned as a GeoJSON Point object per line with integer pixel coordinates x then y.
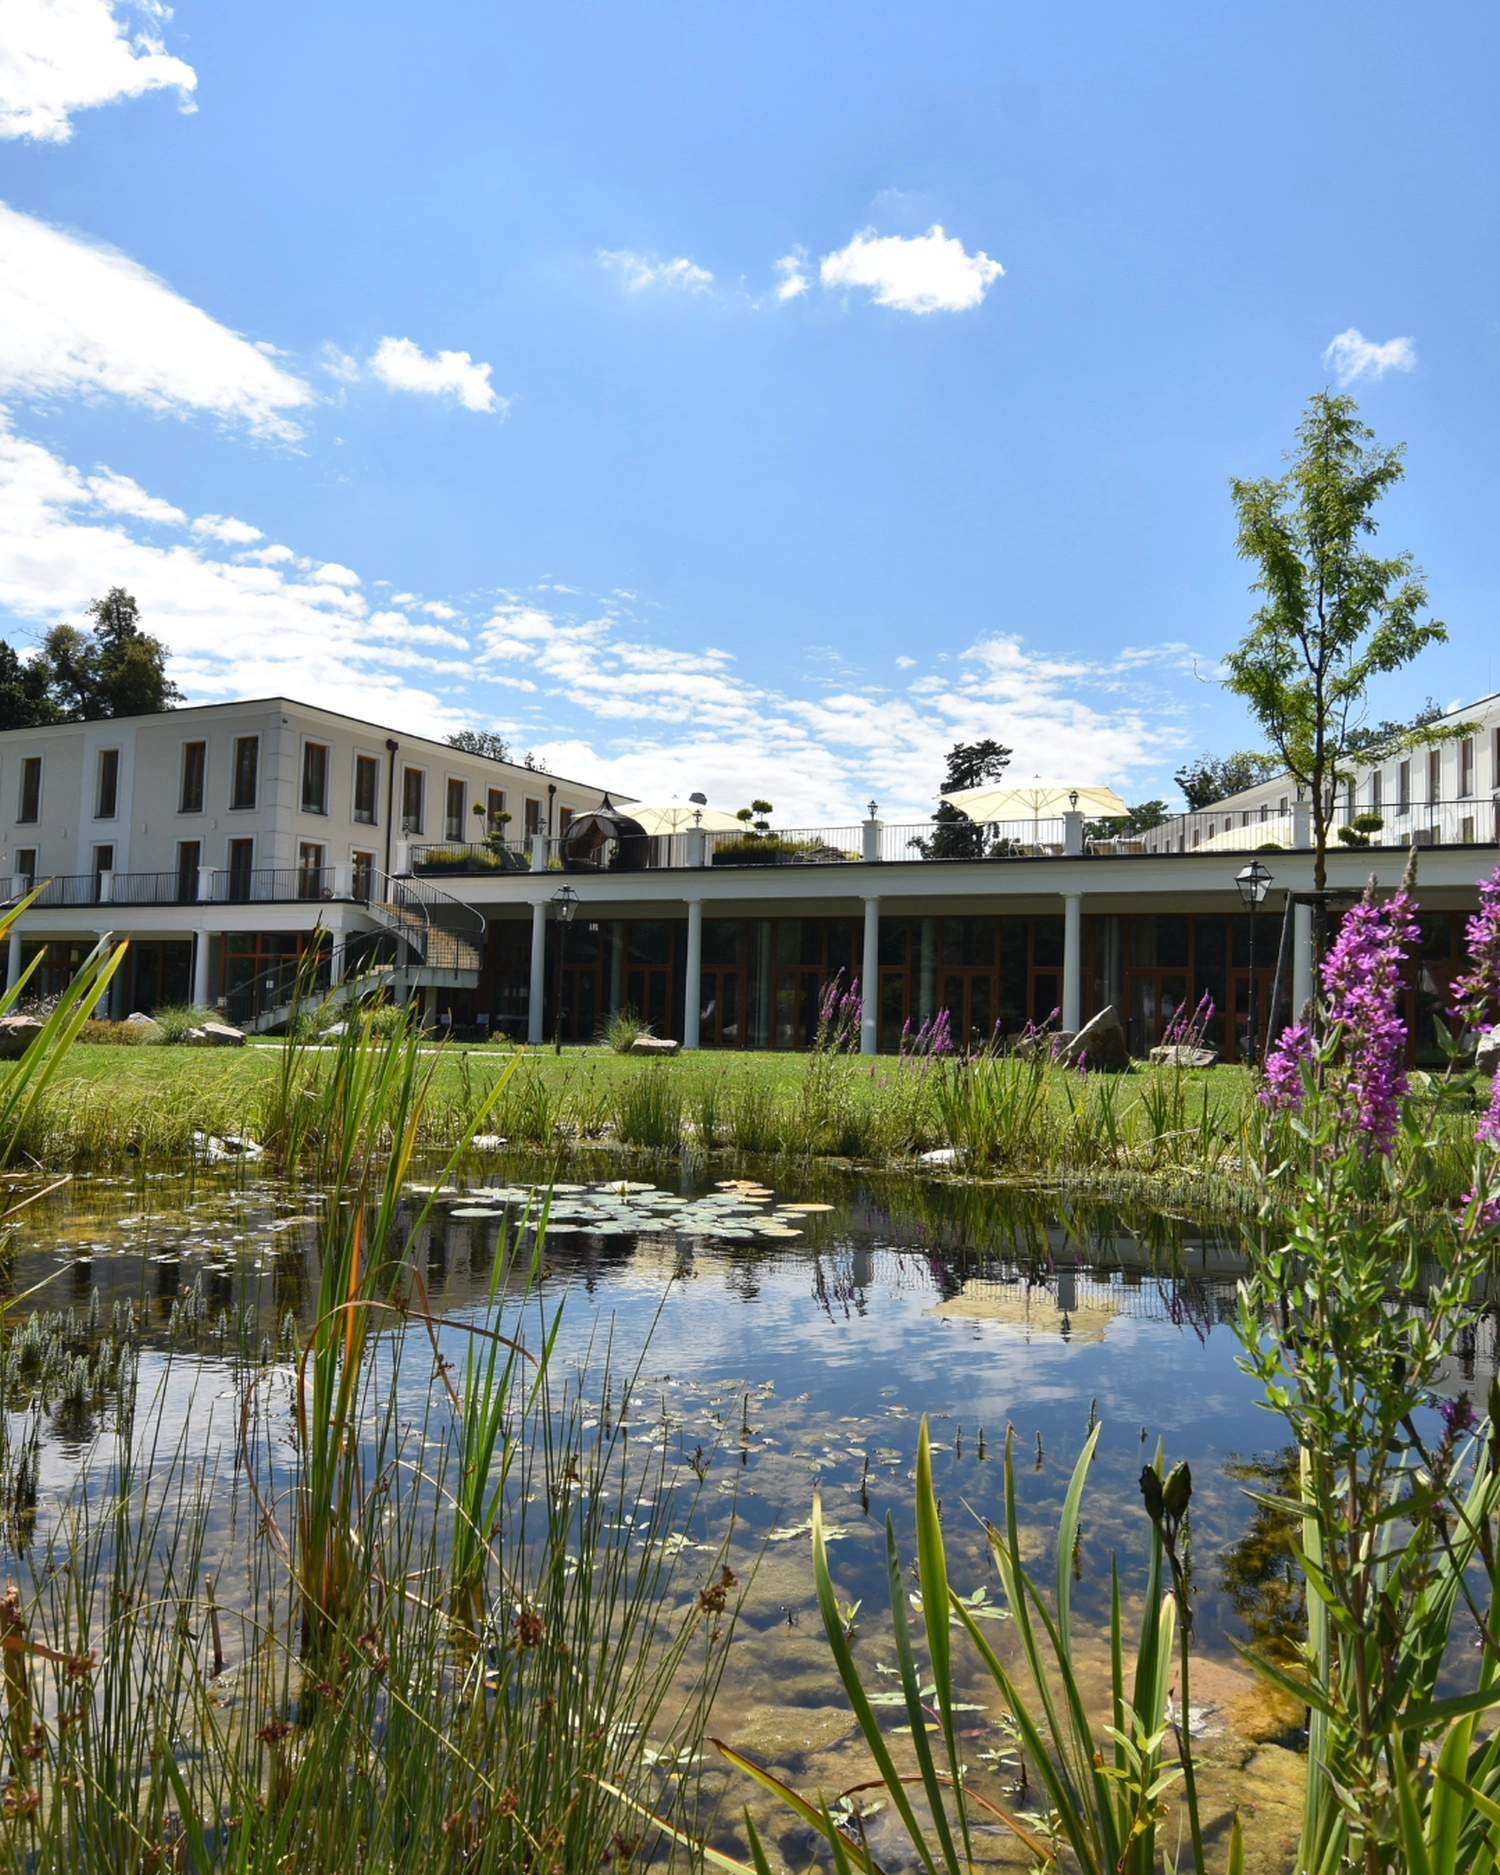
{"type": "Point", "coordinates": [1362, 978]}
{"type": "Point", "coordinates": [1458, 1415]}
{"type": "Point", "coordinates": [1282, 1088]}
{"type": "Point", "coordinates": [1476, 994]}
{"type": "Point", "coordinates": [1488, 1128]}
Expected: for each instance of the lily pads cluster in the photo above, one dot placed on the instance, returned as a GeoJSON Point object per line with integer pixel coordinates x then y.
{"type": "Point", "coordinates": [735, 1211]}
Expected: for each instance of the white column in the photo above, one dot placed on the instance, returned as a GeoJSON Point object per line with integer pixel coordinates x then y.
{"type": "Point", "coordinates": [1073, 833]}
{"type": "Point", "coordinates": [200, 969]}
{"type": "Point", "coordinates": [871, 830]}
{"type": "Point", "coordinates": [343, 886]}
{"type": "Point", "coordinates": [13, 961]}
{"type": "Point", "coordinates": [695, 846]}
{"type": "Point", "coordinates": [869, 985]}
{"type": "Point", "coordinates": [539, 857]}
{"type": "Point", "coordinates": [1072, 996]}
{"type": "Point", "coordinates": [1301, 825]}
{"type": "Point", "coordinates": [106, 888]}
{"type": "Point", "coordinates": [205, 885]}
{"type": "Point", "coordinates": [692, 1004]}
{"type": "Point", "coordinates": [535, 1012]}
{"type": "Point", "coordinates": [1302, 959]}
{"type": "Point", "coordinates": [336, 961]}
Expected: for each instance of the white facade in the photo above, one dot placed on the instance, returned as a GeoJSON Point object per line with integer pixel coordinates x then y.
{"type": "Point", "coordinates": [1448, 795]}
{"type": "Point", "coordinates": [259, 786]}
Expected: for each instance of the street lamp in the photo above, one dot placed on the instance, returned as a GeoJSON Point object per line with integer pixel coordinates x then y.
{"type": "Point", "coordinates": [1253, 882]}
{"type": "Point", "coordinates": [564, 904]}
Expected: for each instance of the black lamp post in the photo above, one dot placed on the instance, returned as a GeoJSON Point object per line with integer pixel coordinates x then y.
{"type": "Point", "coordinates": [1253, 881]}
{"type": "Point", "coordinates": [564, 904]}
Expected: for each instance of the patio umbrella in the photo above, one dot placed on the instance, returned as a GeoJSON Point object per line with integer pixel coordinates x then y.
{"type": "Point", "coordinates": [681, 817]}
{"type": "Point", "coordinates": [1042, 798]}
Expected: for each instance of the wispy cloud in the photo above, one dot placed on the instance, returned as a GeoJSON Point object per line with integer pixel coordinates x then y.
{"type": "Point", "coordinates": [922, 273]}
{"type": "Point", "coordinates": [61, 56]}
{"type": "Point", "coordinates": [402, 365]}
{"type": "Point", "coordinates": [794, 281]}
{"type": "Point", "coordinates": [642, 271]}
{"type": "Point", "coordinates": [592, 685]}
{"type": "Point", "coordinates": [1351, 356]}
{"type": "Point", "coordinates": [77, 318]}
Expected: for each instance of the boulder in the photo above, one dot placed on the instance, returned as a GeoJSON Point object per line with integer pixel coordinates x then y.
{"type": "Point", "coordinates": [218, 1035]}
{"type": "Point", "coordinates": [17, 1033]}
{"type": "Point", "coordinates": [1487, 1054]}
{"type": "Point", "coordinates": [1180, 1055]}
{"type": "Point", "coordinates": [1100, 1044]}
{"type": "Point", "coordinates": [1048, 1042]}
{"type": "Point", "coordinates": [150, 1031]}
{"type": "Point", "coordinates": [654, 1045]}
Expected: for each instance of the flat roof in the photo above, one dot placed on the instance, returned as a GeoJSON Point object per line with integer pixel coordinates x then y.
{"type": "Point", "coordinates": [404, 737]}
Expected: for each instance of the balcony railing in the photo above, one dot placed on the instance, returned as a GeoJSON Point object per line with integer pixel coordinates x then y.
{"type": "Point", "coordinates": [1473, 821]}
{"type": "Point", "coordinates": [260, 885]}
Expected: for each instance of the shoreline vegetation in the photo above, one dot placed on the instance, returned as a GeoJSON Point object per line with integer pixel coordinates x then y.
{"type": "Point", "coordinates": [1156, 1134]}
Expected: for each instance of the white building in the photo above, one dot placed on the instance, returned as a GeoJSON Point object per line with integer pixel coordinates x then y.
{"type": "Point", "coordinates": [1448, 795]}
{"type": "Point", "coordinates": [221, 840]}
{"type": "Point", "coordinates": [210, 834]}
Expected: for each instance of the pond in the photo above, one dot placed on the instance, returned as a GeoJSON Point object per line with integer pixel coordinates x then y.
{"type": "Point", "coordinates": [768, 1339]}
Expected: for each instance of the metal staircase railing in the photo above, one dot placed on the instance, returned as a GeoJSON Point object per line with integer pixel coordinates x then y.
{"type": "Point", "coordinates": [440, 931]}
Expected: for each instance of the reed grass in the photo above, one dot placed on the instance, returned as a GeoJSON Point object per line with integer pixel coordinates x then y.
{"type": "Point", "coordinates": [1179, 1135]}
{"type": "Point", "coordinates": [452, 1627]}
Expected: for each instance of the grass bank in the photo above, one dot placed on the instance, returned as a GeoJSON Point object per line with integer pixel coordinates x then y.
{"type": "Point", "coordinates": [1162, 1134]}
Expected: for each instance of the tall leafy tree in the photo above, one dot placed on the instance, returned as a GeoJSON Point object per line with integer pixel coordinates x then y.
{"type": "Point", "coordinates": [25, 701]}
{"type": "Point", "coordinates": [969, 765]}
{"type": "Point", "coordinates": [1214, 777]}
{"type": "Point", "coordinates": [1335, 615]}
{"type": "Point", "coordinates": [481, 742]}
{"type": "Point", "coordinates": [80, 676]}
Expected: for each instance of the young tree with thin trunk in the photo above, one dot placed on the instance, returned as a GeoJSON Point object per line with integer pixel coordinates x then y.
{"type": "Point", "coordinates": [1335, 615]}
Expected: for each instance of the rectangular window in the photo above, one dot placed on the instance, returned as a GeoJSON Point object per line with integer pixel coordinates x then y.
{"type": "Point", "coordinates": [364, 876]}
{"type": "Point", "coordinates": [534, 821]}
{"type": "Point", "coordinates": [241, 866]}
{"type": "Point", "coordinates": [496, 817]}
{"type": "Point", "coordinates": [246, 771]}
{"type": "Point", "coordinates": [1265, 810]}
{"type": "Point", "coordinates": [1281, 805]}
{"type": "Point", "coordinates": [104, 860]}
{"type": "Point", "coordinates": [366, 788]}
{"type": "Point", "coordinates": [107, 792]}
{"type": "Point", "coordinates": [315, 777]}
{"type": "Point", "coordinates": [413, 787]}
{"type": "Point", "coordinates": [1377, 790]}
{"type": "Point", "coordinates": [564, 819]}
{"type": "Point", "coordinates": [26, 864]}
{"type": "Point", "coordinates": [1466, 767]}
{"type": "Point", "coordinates": [1403, 788]}
{"type": "Point", "coordinates": [453, 816]}
{"type": "Point", "coordinates": [188, 853]}
{"type": "Point", "coordinates": [194, 764]}
{"type": "Point", "coordinates": [30, 805]}
{"type": "Point", "coordinates": [1434, 776]}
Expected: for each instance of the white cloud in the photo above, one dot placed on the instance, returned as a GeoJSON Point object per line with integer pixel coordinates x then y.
{"type": "Point", "coordinates": [905, 664]}
{"type": "Point", "coordinates": [80, 319]}
{"type": "Point", "coordinates": [920, 273]}
{"type": "Point", "coordinates": [640, 271]}
{"type": "Point", "coordinates": [118, 494]}
{"type": "Point", "coordinates": [234, 627]}
{"type": "Point", "coordinates": [793, 280]}
{"type": "Point", "coordinates": [61, 56]}
{"type": "Point", "coordinates": [402, 366]}
{"type": "Point", "coordinates": [224, 527]}
{"type": "Point", "coordinates": [597, 693]}
{"type": "Point", "coordinates": [1351, 355]}
{"type": "Point", "coordinates": [436, 609]}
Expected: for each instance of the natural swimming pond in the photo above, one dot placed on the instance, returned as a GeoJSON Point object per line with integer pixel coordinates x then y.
{"type": "Point", "coordinates": [769, 1334]}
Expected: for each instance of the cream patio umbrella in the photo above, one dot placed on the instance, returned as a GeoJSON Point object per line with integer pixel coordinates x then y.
{"type": "Point", "coordinates": [1043, 799]}
{"type": "Point", "coordinates": [682, 817]}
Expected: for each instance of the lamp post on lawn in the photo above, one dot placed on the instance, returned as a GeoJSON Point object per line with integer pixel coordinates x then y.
{"type": "Point", "coordinates": [564, 904]}
{"type": "Point", "coordinates": [1253, 881]}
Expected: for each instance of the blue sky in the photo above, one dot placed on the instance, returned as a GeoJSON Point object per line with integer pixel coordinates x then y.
{"type": "Point", "coordinates": [645, 382]}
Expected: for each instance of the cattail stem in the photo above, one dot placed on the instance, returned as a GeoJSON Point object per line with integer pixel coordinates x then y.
{"type": "Point", "coordinates": [213, 1626]}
